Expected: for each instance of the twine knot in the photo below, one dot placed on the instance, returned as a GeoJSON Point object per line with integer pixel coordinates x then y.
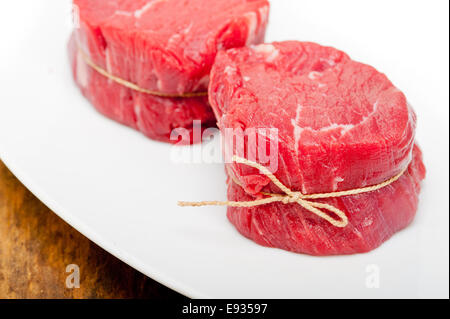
{"type": "Point", "coordinates": [295, 197]}
{"type": "Point", "coordinates": [290, 197]}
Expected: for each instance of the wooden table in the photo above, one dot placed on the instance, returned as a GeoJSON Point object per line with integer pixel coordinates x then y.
{"type": "Point", "coordinates": [36, 246]}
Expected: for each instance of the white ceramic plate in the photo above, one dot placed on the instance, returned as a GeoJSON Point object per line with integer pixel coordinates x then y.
{"type": "Point", "coordinates": [120, 189]}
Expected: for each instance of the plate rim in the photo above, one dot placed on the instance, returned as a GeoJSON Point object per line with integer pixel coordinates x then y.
{"type": "Point", "coordinates": [90, 234]}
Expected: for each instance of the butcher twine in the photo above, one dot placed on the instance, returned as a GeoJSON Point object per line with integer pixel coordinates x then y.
{"type": "Point", "coordinates": [133, 86]}
{"type": "Point", "coordinates": [291, 196]}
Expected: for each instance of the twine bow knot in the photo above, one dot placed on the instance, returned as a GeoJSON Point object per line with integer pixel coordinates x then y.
{"type": "Point", "coordinates": [291, 197]}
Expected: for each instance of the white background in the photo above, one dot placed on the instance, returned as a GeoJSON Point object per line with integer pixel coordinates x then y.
{"type": "Point", "coordinates": [120, 189]}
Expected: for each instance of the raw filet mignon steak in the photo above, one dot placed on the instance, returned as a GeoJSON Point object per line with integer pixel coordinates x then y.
{"type": "Point", "coordinates": [163, 46]}
{"type": "Point", "coordinates": [341, 125]}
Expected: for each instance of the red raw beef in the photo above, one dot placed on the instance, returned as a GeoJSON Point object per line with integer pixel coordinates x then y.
{"type": "Point", "coordinates": [373, 218]}
{"type": "Point", "coordinates": [166, 46]}
{"type": "Point", "coordinates": [341, 125]}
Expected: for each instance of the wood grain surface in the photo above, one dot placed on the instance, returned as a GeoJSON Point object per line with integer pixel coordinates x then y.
{"type": "Point", "coordinates": [36, 246]}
